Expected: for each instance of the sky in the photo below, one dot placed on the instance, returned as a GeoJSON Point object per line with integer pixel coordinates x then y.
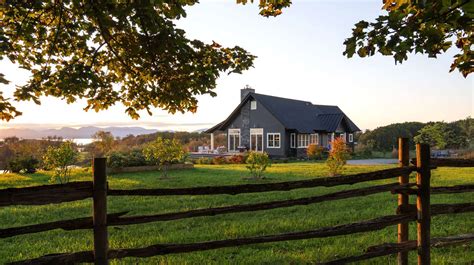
{"type": "Point", "coordinates": [300, 57]}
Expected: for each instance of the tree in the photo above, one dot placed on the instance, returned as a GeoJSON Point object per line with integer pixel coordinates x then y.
{"type": "Point", "coordinates": [442, 135]}
{"type": "Point", "coordinates": [61, 159]}
{"type": "Point", "coordinates": [257, 163]}
{"type": "Point", "coordinates": [426, 27]}
{"type": "Point", "coordinates": [164, 152]}
{"type": "Point", "coordinates": [109, 52]}
{"type": "Point", "coordinates": [104, 142]}
{"type": "Point", "coordinates": [338, 156]}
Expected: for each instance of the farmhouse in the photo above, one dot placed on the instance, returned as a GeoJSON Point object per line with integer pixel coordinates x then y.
{"type": "Point", "coordinates": [282, 127]}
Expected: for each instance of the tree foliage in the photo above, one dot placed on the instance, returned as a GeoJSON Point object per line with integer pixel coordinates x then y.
{"type": "Point", "coordinates": [338, 156]}
{"type": "Point", "coordinates": [442, 135]}
{"type": "Point", "coordinates": [111, 51]}
{"type": "Point", "coordinates": [257, 163]}
{"type": "Point", "coordinates": [61, 159]}
{"type": "Point", "coordinates": [103, 143]}
{"type": "Point", "coordinates": [455, 135]}
{"type": "Point", "coordinates": [426, 27]}
{"type": "Point", "coordinates": [131, 52]}
{"type": "Point", "coordinates": [384, 138]}
{"type": "Point", "coordinates": [314, 152]}
{"type": "Point", "coordinates": [164, 152]}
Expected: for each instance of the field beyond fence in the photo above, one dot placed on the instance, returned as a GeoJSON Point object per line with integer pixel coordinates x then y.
{"type": "Point", "coordinates": [98, 190]}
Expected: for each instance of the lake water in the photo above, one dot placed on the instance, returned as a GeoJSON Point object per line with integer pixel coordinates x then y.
{"type": "Point", "coordinates": [83, 141]}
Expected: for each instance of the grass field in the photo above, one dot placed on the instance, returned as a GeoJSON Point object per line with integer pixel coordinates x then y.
{"type": "Point", "coordinates": [234, 225]}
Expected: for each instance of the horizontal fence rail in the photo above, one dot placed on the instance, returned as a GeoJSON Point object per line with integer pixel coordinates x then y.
{"type": "Point", "coordinates": [278, 186]}
{"type": "Point", "coordinates": [162, 249]}
{"type": "Point", "coordinates": [393, 248]}
{"type": "Point", "coordinates": [452, 189]}
{"type": "Point", "coordinates": [449, 162]}
{"type": "Point", "coordinates": [46, 194]}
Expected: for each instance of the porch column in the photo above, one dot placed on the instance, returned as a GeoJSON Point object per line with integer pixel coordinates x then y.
{"type": "Point", "coordinates": [212, 141]}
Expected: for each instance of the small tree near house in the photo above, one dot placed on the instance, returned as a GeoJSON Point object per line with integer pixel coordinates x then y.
{"type": "Point", "coordinates": [164, 152]}
{"type": "Point", "coordinates": [338, 156]}
{"type": "Point", "coordinates": [61, 159]}
{"type": "Point", "coordinates": [257, 163]}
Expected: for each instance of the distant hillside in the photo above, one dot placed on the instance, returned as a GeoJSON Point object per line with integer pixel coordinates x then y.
{"type": "Point", "coordinates": [69, 133]}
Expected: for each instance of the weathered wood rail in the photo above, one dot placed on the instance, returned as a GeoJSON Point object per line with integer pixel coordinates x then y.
{"type": "Point", "coordinates": [405, 212]}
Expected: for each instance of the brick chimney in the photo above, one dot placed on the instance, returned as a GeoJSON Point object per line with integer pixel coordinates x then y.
{"type": "Point", "coordinates": [244, 92]}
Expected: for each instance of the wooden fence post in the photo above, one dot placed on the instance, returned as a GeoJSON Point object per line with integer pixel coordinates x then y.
{"type": "Point", "coordinates": [403, 161]}
{"type": "Point", "coordinates": [101, 243]}
{"type": "Point", "coordinates": [423, 203]}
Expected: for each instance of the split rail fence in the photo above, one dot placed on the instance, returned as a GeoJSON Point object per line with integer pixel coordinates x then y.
{"type": "Point", "coordinates": [405, 213]}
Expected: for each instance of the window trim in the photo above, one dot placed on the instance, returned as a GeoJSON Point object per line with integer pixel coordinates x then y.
{"type": "Point", "coordinates": [274, 141]}
{"type": "Point", "coordinates": [293, 140]}
{"type": "Point", "coordinates": [351, 138]}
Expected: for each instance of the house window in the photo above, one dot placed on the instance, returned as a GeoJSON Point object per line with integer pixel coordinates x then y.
{"type": "Point", "coordinates": [351, 138]}
{"type": "Point", "coordinates": [273, 140]}
{"type": "Point", "coordinates": [293, 140]}
{"type": "Point", "coordinates": [234, 140]}
{"type": "Point", "coordinates": [314, 139]}
{"type": "Point", "coordinates": [303, 140]}
{"type": "Point", "coordinates": [343, 136]}
{"type": "Point", "coordinates": [256, 139]}
{"type": "Point", "coordinates": [253, 105]}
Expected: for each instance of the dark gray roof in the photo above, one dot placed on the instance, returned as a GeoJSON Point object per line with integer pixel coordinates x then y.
{"type": "Point", "coordinates": [298, 115]}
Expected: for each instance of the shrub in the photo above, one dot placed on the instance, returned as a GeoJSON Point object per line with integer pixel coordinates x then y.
{"type": "Point", "coordinates": [338, 156]}
{"type": "Point", "coordinates": [27, 164]}
{"type": "Point", "coordinates": [314, 152]}
{"type": "Point", "coordinates": [363, 150]}
{"type": "Point", "coordinates": [236, 159]}
{"type": "Point", "coordinates": [133, 158]}
{"type": "Point", "coordinates": [164, 152]}
{"type": "Point", "coordinates": [203, 161]}
{"type": "Point", "coordinates": [219, 160]}
{"type": "Point", "coordinates": [60, 159]}
{"type": "Point", "coordinates": [257, 164]}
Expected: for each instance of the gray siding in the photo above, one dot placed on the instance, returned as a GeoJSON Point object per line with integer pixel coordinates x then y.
{"type": "Point", "coordinates": [260, 118]}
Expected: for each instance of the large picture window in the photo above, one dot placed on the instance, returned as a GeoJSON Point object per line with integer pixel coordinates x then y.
{"type": "Point", "coordinates": [273, 140]}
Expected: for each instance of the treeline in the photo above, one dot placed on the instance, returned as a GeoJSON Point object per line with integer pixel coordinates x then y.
{"type": "Point", "coordinates": [28, 154]}
{"type": "Point", "coordinates": [25, 154]}
{"type": "Point", "coordinates": [440, 135]}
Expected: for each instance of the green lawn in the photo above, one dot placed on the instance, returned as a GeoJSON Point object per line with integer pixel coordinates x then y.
{"type": "Point", "coordinates": [234, 225]}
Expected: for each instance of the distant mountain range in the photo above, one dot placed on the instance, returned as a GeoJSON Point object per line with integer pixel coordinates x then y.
{"type": "Point", "coordinates": [72, 133]}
